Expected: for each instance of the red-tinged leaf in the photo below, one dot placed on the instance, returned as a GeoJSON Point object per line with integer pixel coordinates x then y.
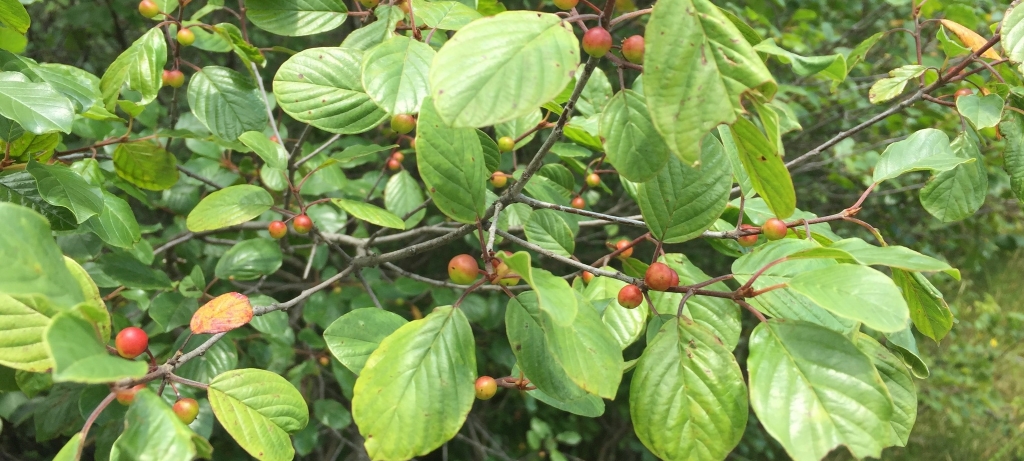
{"type": "Point", "coordinates": [226, 312]}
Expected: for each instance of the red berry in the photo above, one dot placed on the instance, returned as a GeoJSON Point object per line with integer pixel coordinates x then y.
{"type": "Point", "coordinates": [506, 144]}
{"type": "Point", "coordinates": [403, 123]}
{"type": "Point", "coordinates": [774, 229]}
{"type": "Point", "coordinates": [597, 41]}
{"type": "Point", "coordinates": [277, 229]}
{"type": "Point", "coordinates": [463, 269]}
{"type": "Point", "coordinates": [504, 275]}
{"type": "Point", "coordinates": [566, 4]}
{"type": "Point", "coordinates": [747, 240]}
{"type": "Point", "coordinates": [633, 49]}
{"type": "Point", "coordinates": [593, 180]}
{"type": "Point", "coordinates": [131, 342]}
{"type": "Point", "coordinates": [630, 296]}
{"type": "Point", "coordinates": [187, 409]}
{"type": "Point", "coordinates": [173, 78]}
{"type": "Point", "coordinates": [962, 92]}
{"type": "Point", "coordinates": [127, 396]}
{"type": "Point", "coordinates": [274, 139]}
{"type": "Point", "coordinates": [302, 224]}
{"type": "Point", "coordinates": [186, 37]}
{"type": "Point", "coordinates": [398, 156]}
{"type": "Point", "coordinates": [148, 9]}
{"type": "Point", "coordinates": [499, 180]}
{"type": "Point", "coordinates": [623, 244]}
{"type": "Point", "coordinates": [587, 277]}
{"type": "Point", "coordinates": [486, 387]}
{"type": "Point", "coordinates": [659, 277]}
{"type": "Point", "coordinates": [578, 203]}
{"type": "Point", "coordinates": [394, 165]}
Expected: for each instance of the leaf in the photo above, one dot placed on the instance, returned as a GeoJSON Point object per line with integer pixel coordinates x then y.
{"type": "Point", "coordinates": [1013, 34]}
{"type": "Point", "coordinates": [20, 188]}
{"type": "Point", "coordinates": [956, 194]}
{"type": "Point", "coordinates": [116, 224]}
{"type": "Point", "coordinates": [695, 59]}
{"type": "Point", "coordinates": [970, 38]}
{"type": "Point", "coordinates": [888, 88]}
{"type": "Point", "coordinates": [928, 310]}
{"type": "Point", "coordinates": [634, 147]}
{"type": "Point", "coordinates": [21, 335]}
{"type": "Point", "coordinates": [803, 66]}
{"type": "Point", "coordinates": [470, 74]}
{"type": "Point", "coordinates": [981, 111]}
{"type": "Point", "coordinates": [514, 129]}
{"type": "Point", "coordinates": [125, 269]}
{"type": "Point", "coordinates": [681, 202]}
{"type": "Point", "coordinates": [36, 107]}
{"type": "Point", "coordinates": [223, 313]}
{"type": "Point", "coordinates": [79, 356]}
{"type": "Point", "coordinates": [70, 450]}
{"type": "Point", "coordinates": [323, 87]}
{"type": "Point", "coordinates": [249, 260]}
{"type": "Point", "coordinates": [354, 336]}
{"type": "Point", "coordinates": [900, 385]}
{"type": "Point", "coordinates": [61, 186]}
{"type": "Point", "coordinates": [451, 164]}
{"type": "Point", "coordinates": [903, 344]}
{"type": "Point", "coordinates": [855, 292]}
{"type": "Point", "coordinates": [272, 153]}
{"type": "Point", "coordinates": [226, 102]}
{"type": "Point", "coordinates": [259, 408]}
{"type": "Point", "coordinates": [153, 431]}
{"type": "Point", "coordinates": [78, 85]}
{"type": "Point", "coordinates": [369, 213]}
{"type": "Point", "coordinates": [554, 295]}
{"type": "Point", "coordinates": [1012, 128]}
{"type": "Point", "coordinates": [417, 388]}
{"type": "Point", "coordinates": [719, 316]}
{"type": "Point", "coordinates": [140, 67]}
{"type": "Point", "coordinates": [402, 194]}
{"type": "Point", "coordinates": [33, 263]}
{"type": "Point", "coordinates": [813, 390]}
{"type": "Point", "coordinates": [768, 174]}
{"type": "Point", "coordinates": [296, 18]}
{"type": "Point", "coordinates": [444, 15]}
{"type": "Point", "coordinates": [550, 231]}
{"type": "Point", "coordinates": [14, 16]}
{"type": "Point", "coordinates": [146, 165]}
{"type": "Point", "coordinates": [687, 398]}
{"type": "Point", "coordinates": [228, 207]}
{"type": "Point", "coordinates": [926, 149]}
{"type": "Point", "coordinates": [893, 256]}
{"type": "Point", "coordinates": [626, 325]}
{"type": "Point", "coordinates": [395, 74]}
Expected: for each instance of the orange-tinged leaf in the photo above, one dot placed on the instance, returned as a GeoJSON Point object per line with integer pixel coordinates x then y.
{"type": "Point", "coordinates": [224, 313]}
{"type": "Point", "coordinates": [970, 38]}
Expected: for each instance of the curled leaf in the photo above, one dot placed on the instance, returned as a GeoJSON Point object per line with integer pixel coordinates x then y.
{"type": "Point", "coordinates": [969, 38]}
{"type": "Point", "coordinates": [224, 313]}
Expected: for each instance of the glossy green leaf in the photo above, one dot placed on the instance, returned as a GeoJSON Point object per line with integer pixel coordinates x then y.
{"type": "Point", "coordinates": [140, 68]}
{"type": "Point", "coordinates": [79, 356]}
{"type": "Point", "coordinates": [323, 87]}
{"type": "Point", "coordinates": [228, 207]}
{"type": "Point", "coordinates": [688, 399]}
{"type": "Point", "coordinates": [226, 102]}
{"type": "Point", "coordinates": [768, 174]}
{"type": "Point", "coordinates": [33, 263]}
{"type": "Point", "coordinates": [981, 111]}
{"type": "Point", "coordinates": [550, 231]}
{"type": "Point", "coordinates": [697, 66]}
{"type": "Point", "coordinates": [402, 194]}
{"type": "Point", "coordinates": [116, 224]}
{"type": "Point", "coordinates": [369, 213]}
{"type": "Point", "coordinates": [892, 256]}
{"type": "Point", "coordinates": [126, 270]}
{"type": "Point", "coordinates": [20, 188]}
{"type": "Point", "coordinates": [928, 310]}
{"type": "Point", "coordinates": [14, 16]}
{"type": "Point", "coordinates": [720, 316]}
{"type": "Point", "coordinates": [78, 85]}
{"type": "Point", "coordinates": [272, 153]}
{"type": "Point", "coordinates": [554, 295]}
{"type": "Point", "coordinates": [297, 17]}
{"type": "Point", "coordinates": [259, 408]}
{"type": "Point", "coordinates": [355, 335]}
{"type": "Point", "coordinates": [927, 149]}
{"type": "Point", "coordinates": [219, 359]}
{"type": "Point", "coordinates": [61, 186]}
{"type": "Point", "coordinates": [469, 77]}
{"type": "Point", "coordinates": [633, 145]}
{"type": "Point", "coordinates": [395, 74]}
{"type": "Point", "coordinates": [888, 88]}
{"type": "Point", "coordinates": [626, 325]}
{"type": "Point", "coordinates": [855, 292]}
{"type": "Point", "coordinates": [146, 165]}
{"type": "Point", "coordinates": [417, 388]}
{"type": "Point", "coordinates": [36, 107]}
{"type": "Point", "coordinates": [249, 259]}
{"type": "Point", "coordinates": [451, 164]}
{"type": "Point", "coordinates": [444, 15]}
{"type": "Point", "coordinates": [153, 431]}
{"type": "Point", "coordinates": [21, 335]}
{"type": "Point", "coordinates": [900, 385]}
{"type": "Point", "coordinates": [813, 390]}
{"type": "Point", "coordinates": [957, 194]}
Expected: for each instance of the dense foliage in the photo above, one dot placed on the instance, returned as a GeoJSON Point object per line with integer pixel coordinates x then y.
{"type": "Point", "coordinates": [493, 230]}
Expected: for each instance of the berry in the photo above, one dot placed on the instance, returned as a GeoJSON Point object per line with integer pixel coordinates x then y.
{"type": "Point", "coordinates": [463, 269]}
{"type": "Point", "coordinates": [659, 277]}
{"type": "Point", "coordinates": [962, 92]}
{"type": "Point", "coordinates": [127, 396]}
{"type": "Point", "coordinates": [398, 156]}
{"type": "Point", "coordinates": [173, 78]}
{"type": "Point", "coordinates": [274, 139]}
{"type": "Point", "coordinates": [503, 274]}
{"type": "Point", "coordinates": [566, 4]}
{"type": "Point", "coordinates": [593, 180]}
{"type": "Point", "coordinates": [277, 229]}
{"type": "Point", "coordinates": [403, 123]}
{"type": "Point", "coordinates": [597, 41]}
{"type": "Point", "coordinates": [394, 165]}
{"type": "Point", "coordinates": [623, 244]}
{"type": "Point", "coordinates": [499, 180]}
{"type": "Point", "coordinates": [486, 387]}
{"type": "Point", "coordinates": [747, 240]}
{"type": "Point", "coordinates": [370, 4]}
{"type": "Point", "coordinates": [302, 224]}
{"type": "Point", "coordinates": [578, 203]}
{"type": "Point", "coordinates": [187, 409]}
{"type": "Point", "coordinates": [633, 49]}
{"type": "Point", "coordinates": [630, 296]}
{"type": "Point", "coordinates": [774, 229]}
{"type": "Point", "coordinates": [131, 342]}
{"type": "Point", "coordinates": [186, 37]}
{"type": "Point", "coordinates": [506, 144]}
{"type": "Point", "coordinates": [148, 9]}
{"type": "Point", "coordinates": [587, 277]}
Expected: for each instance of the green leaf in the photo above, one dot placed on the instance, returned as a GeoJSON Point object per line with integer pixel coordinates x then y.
{"type": "Point", "coordinates": [1013, 34]}
{"type": "Point", "coordinates": [79, 356]}
{"type": "Point", "coordinates": [900, 385]}
{"type": "Point", "coordinates": [687, 398]}
{"type": "Point", "coordinates": [375, 33]}
{"type": "Point", "coordinates": [355, 335]}
{"type": "Point", "coordinates": [94, 309]}
{"type": "Point", "coordinates": [928, 310]}
{"type": "Point", "coordinates": [272, 153]}
{"type": "Point", "coordinates": [626, 325]}
{"type": "Point", "coordinates": [228, 207]}
{"type": "Point", "coordinates": [123, 268]}
{"type": "Point", "coordinates": [323, 87]}
{"type": "Point", "coordinates": [768, 174]}
{"type": "Point", "coordinates": [682, 202]}
{"type": "Point", "coordinates": [36, 107]}
{"type": "Point", "coordinates": [417, 388]}
{"type": "Point", "coordinates": [70, 450]}
{"type": "Point", "coordinates": [927, 149]}
{"type": "Point", "coordinates": [116, 224]}
{"type": "Point", "coordinates": [554, 295]}
{"type": "Point", "coordinates": [469, 77]}
{"type": "Point", "coordinates": [296, 18]}
{"type": "Point", "coordinates": [20, 188]}
{"type": "Point", "coordinates": [813, 390]}
{"type": "Point", "coordinates": [719, 316]}
{"type": "Point", "coordinates": [633, 145]}
{"type": "Point", "coordinates": [153, 431]}
{"type": "Point", "coordinates": [444, 15]}
{"type": "Point", "coordinates": [146, 165]}
{"type": "Point", "coordinates": [451, 164]}
{"type": "Point", "coordinates": [981, 111]}
{"type": "Point", "coordinates": [61, 186]}
{"type": "Point", "coordinates": [33, 263]}
{"type": "Point", "coordinates": [14, 16]}
{"type": "Point", "coordinates": [803, 66]}
{"type": "Point", "coordinates": [140, 67]}
{"type": "Point", "coordinates": [21, 335]}
{"type": "Point", "coordinates": [1012, 128]}
{"type": "Point", "coordinates": [402, 194]}
{"type": "Point", "coordinates": [950, 48]}
{"type": "Point", "coordinates": [226, 102]}
{"type": "Point", "coordinates": [893, 256]}
{"type": "Point", "coordinates": [249, 259]}
{"type": "Point", "coordinates": [369, 213]}
{"type": "Point", "coordinates": [697, 66]}
{"type": "Point", "coordinates": [332, 413]}
{"type": "Point", "coordinates": [259, 408]}
{"type": "Point", "coordinates": [516, 128]}
{"type": "Point", "coordinates": [855, 292]}
{"type": "Point", "coordinates": [395, 74]}
{"type": "Point", "coordinates": [550, 231]}
{"type": "Point", "coordinates": [904, 345]}
{"type": "Point", "coordinates": [81, 87]}
{"type": "Point", "coordinates": [956, 194]}
{"type": "Point", "coordinates": [888, 88]}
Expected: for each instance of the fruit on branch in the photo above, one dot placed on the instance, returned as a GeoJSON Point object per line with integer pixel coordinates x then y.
{"type": "Point", "coordinates": [747, 240]}
{"type": "Point", "coordinates": [302, 224]}
{"type": "Point", "coordinates": [148, 9]}
{"type": "Point", "coordinates": [187, 409]}
{"type": "Point", "coordinates": [394, 165]}
{"type": "Point", "coordinates": [630, 296]}
{"type": "Point", "coordinates": [587, 277]}
{"type": "Point", "coordinates": [275, 140]}
{"type": "Point", "coordinates": [186, 37]}
{"type": "Point", "coordinates": [504, 275]}
{"type": "Point", "coordinates": [173, 78]}
{"type": "Point", "coordinates": [127, 396]}
{"type": "Point", "coordinates": [131, 341]}
{"type": "Point", "coordinates": [403, 123]}
{"type": "Point", "coordinates": [962, 92]}
{"type": "Point", "coordinates": [566, 4]}
{"type": "Point", "coordinates": [660, 277]}
{"type": "Point", "coordinates": [499, 180]}
{"type": "Point", "coordinates": [624, 244]}
{"type": "Point", "coordinates": [371, 4]}
{"type": "Point", "coordinates": [277, 229]}
{"type": "Point", "coordinates": [633, 49]}
{"type": "Point", "coordinates": [486, 387]}
{"type": "Point", "coordinates": [597, 41]}
{"type": "Point", "coordinates": [463, 269]}
{"type": "Point", "coordinates": [506, 144]}
{"type": "Point", "coordinates": [398, 156]}
{"type": "Point", "coordinates": [324, 361]}
{"type": "Point", "coordinates": [593, 180]}
{"type": "Point", "coordinates": [774, 229]}
{"type": "Point", "coordinates": [578, 203]}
